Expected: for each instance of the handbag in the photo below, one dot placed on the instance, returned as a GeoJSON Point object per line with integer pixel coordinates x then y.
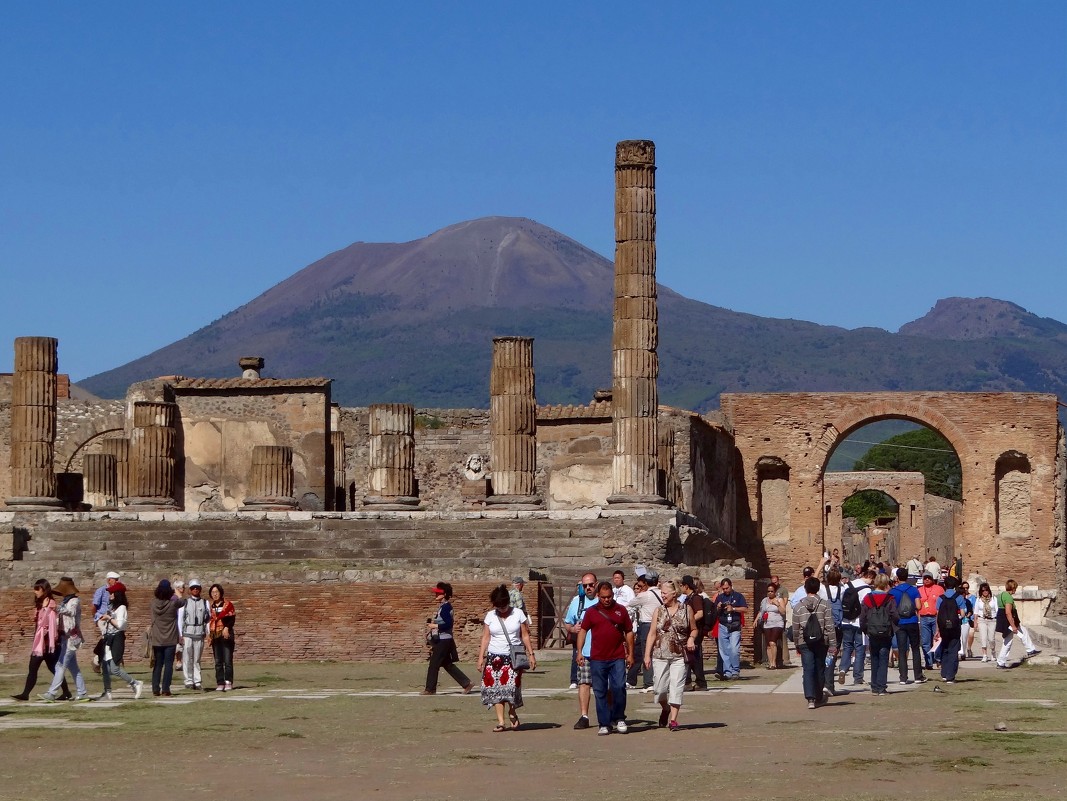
{"type": "Point", "coordinates": [98, 649]}
{"type": "Point", "coordinates": [520, 660]}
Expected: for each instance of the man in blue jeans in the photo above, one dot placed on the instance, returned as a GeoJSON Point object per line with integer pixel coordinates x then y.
{"type": "Point", "coordinates": [611, 653]}
{"type": "Point", "coordinates": [729, 608]}
{"type": "Point", "coordinates": [853, 650]}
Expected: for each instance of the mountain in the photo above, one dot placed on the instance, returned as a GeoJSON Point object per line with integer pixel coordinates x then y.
{"type": "Point", "coordinates": [413, 322]}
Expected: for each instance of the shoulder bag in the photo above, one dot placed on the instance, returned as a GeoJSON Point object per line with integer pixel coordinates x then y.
{"type": "Point", "coordinates": [520, 660]}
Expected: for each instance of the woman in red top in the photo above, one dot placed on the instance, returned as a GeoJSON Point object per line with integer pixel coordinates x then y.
{"type": "Point", "coordinates": [878, 620]}
{"type": "Point", "coordinates": [45, 638]}
{"type": "Point", "coordinates": [220, 629]}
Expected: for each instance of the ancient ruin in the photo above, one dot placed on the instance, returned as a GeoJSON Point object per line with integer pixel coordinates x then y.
{"type": "Point", "coordinates": [268, 486]}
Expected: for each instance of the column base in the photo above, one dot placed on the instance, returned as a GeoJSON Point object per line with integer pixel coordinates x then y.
{"type": "Point", "coordinates": [389, 503]}
{"type": "Point", "coordinates": [516, 502]}
{"type": "Point", "coordinates": [279, 504]}
{"type": "Point", "coordinates": [151, 504]}
{"type": "Point", "coordinates": [636, 501]}
{"type": "Point", "coordinates": [34, 504]}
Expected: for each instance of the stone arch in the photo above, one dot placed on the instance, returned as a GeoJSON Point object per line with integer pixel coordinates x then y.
{"type": "Point", "coordinates": [85, 443]}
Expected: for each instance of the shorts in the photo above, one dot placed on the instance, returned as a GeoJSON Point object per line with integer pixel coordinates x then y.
{"type": "Point", "coordinates": [585, 673]}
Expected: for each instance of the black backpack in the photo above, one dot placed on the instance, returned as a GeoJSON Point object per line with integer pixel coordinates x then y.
{"type": "Point", "coordinates": [850, 603]}
{"type": "Point", "coordinates": [906, 607]}
{"type": "Point", "coordinates": [708, 621]}
{"type": "Point", "coordinates": [813, 628]}
{"type": "Point", "coordinates": [948, 616]}
{"type": "Point", "coordinates": [879, 623]}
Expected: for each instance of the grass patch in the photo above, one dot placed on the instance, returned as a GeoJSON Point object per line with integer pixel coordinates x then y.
{"type": "Point", "coordinates": [294, 734]}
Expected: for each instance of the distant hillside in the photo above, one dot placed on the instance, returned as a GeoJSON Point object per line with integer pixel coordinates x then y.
{"type": "Point", "coordinates": [413, 322]}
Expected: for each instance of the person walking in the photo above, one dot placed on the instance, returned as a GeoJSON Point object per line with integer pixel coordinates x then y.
{"type": "Point", "coordinates": [70, 640]}
{"type": "Point", "coordinates": [813, 634]}
{"type": "Point", "coordinates": [193, 619]}
{"type": "Point", "coordinates": [907, 599]}
{"type": "Point", "coordinates": [929, 592]}
{"type": "Point", "coordinates": [611, 653]}
{"type": "Point", "coordinates": [581, 678]}
{"type": "Point", "coordinates": [223, 639]}
{"type": "Point", "coordinates": [985, 618]}
{"type": "Point", "coordinates": [878, 620]}
{"type": "Point", "coordinates": [951, 609]}
{"type": "Point", "coordinates": [1009, 624]}
{"type": "Point", "coordinates": [647, 599]}
{"type": "Point", "coordinates": [45, 647]}
{"type": "Point", "coordinates": [672, 642]}
{"type": "Point", "coordinates": [730, 606]}
{"type": "Point", "coordinates": [443, 653]}
{"type": "Point", "coordinates": [771, 621]}
{"type": "Point", "coordinates": [503, 627]}
{"type": "Point", "coordinates": [114, 624]}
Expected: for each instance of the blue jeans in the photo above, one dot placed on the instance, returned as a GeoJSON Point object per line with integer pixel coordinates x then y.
{"type": "Point", "coordinates": [950, 658]}
{"type": "Point", "coordinates": [880, 647]}
{"type": "Point", "coordinates": [609, 675]}
{"type": "Point", "coordinates": [68, 660]}
{"type": "Point", "coordinates": [638, 665]}
{"type": "Point", "coordinates": [928, 630]}
{"type": "Point", "coordinates": [163, 669]}
{"type": "Point", "coordinates": [730, 649]}
{"type": "Point", "coordinates": [853, 651]}
{"type": "Point", "coordinates": [813, 665]}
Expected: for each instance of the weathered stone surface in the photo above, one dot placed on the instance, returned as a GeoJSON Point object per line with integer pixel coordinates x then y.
{"type": "Point", "coordinates": [271, 480]}
{"type": "Point", "coordinates": [101, 483]}
{"type": "Point", "coordinates": [391, 455]}
{"type": "Point", "coordinates": [33, 425]}
{"type": "Point", "coordinates": [513, 423]}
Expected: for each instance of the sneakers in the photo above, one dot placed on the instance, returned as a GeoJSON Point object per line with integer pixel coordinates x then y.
{"type": "Point", "coordinates": [621, 727]}
{"type": "Point", "coordinates": [81, 699]}
{"type": "Point", "coordinates": [921, 680]}
{"type": "Point", "coordinates": [841, 677]}
{"type": "Point", "coordinates": [1001, 667]}
{"type": "Point", "coordinates": [583, 723]}
{"type": "Point", "coordinates": [48, 698]}
{"type": "Point", "coordinates": [881, 692]}
{"type": "Point", "coordinates": [811, 704]}
{"type": "Point", "coordinates": [672, 726]}
{"type": "Point", "coordinates": [631, 686]}
{"type": "Point", "coordinates": [603, 730]}
{"type": "Point", "coordinates": [201, 687]}
{"type": "Point", "coordinates": [1033, 652]}
{"type": "Point", "coordinates": [857, 682]}
{"type": "Point", "coordinates": [829, 691]}
{"type": "Point", "coordinates": [573, 686]}
{"type": "Point", "coordinates": [229, 686]}
{"type": "Point", "coordinates": [647, 689]}
{"type": "Point", "coordinates": [222, 688]}
{"type": "Point", "coordinates": [904, 681]}
{"type": "Point", "coordinates": [950, 681]}
{"type": "Point", "coordinates": [104, 696]}
{"type": "Point", "coordinates": [138, 687]}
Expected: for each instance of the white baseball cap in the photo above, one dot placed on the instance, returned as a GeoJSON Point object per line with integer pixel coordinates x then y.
{"type": "Point", "coordinates": [113, 575]}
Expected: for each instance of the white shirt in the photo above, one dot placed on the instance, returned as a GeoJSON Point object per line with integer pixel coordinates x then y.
{"type": "Point", "coordinates": [863, 588]}
{"type": "Point", "coordinates": [623, 594]}
{"type": "Point", "coordinates": [799, 594]}
{"type": "Point", "coordinates": [646, 603]}
{"type": "Point", "coordinates": [498, 643]}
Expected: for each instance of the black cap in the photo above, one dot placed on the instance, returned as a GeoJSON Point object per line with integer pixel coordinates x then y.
{"type": "Point", "coordinates": [809, 571]}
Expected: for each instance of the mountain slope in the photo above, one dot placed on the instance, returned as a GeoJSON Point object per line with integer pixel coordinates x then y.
{"type": "Point", "coordinates": [413, 322]}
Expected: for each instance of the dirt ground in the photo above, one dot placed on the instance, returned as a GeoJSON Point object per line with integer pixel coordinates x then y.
{"type": "Point", "coordinates": [343, 731]}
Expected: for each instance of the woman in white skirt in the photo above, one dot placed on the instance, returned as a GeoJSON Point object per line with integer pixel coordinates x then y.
{"type": "Point", "coordinates": [985, 621]}
{"type": "Point", "coordinates": [671, 639]}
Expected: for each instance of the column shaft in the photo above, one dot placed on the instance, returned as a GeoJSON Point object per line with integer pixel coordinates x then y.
{"type": "Point", "coordinates": [33, 425]}
{"type": "Point", "coordinates": [119, 449]}
{"type": "Point", "coordinates": [100, 481]}
{"type": "Point", "coordinates": [340, 478]}
{"type": "Point", "coordinates": [270, 484]}
{"type": "Point", "coordinates": [391, 456]}
{"type": "Point", "coordinates": [513, 424]}
{"type": "Point", "coordinates": [152, 455]}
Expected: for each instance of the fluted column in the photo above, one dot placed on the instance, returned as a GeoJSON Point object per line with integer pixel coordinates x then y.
{"type": "Point", "coordinates": [635, 365]}
{"type": "Point", "coordinates": [513, 424]}
{"type": "Point", "coordinates": [33, 425]}
{"type": "Point", "coordinates": [270, 484]}
{"type": "Point", "coordinates": [391, 457]}
{"type": "Point", "coordinates": [119, 448]}
{"type": "Point", "coordinates": [340, 478]}
{"type": "Point", "coordinates": [152, 455]}
{"type": "Point", "coordinates": [100, 481]}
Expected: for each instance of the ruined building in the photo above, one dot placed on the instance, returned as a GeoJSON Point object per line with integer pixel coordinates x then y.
{"type": "Point", "coordinates": [337, 513]}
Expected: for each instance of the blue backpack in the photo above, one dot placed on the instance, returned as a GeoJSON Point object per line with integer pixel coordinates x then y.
{"type": "Point", "coordinates": [835, 604]}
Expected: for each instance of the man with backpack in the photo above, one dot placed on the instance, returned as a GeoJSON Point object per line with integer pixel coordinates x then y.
{"type": "Point", "coordinates": [878, 621]}
{"type": "Point", "coordinates": [907, 600]}
{"type": "Point", "coordinates": [853, 647]}
{"type": "Point", "coordinates": [813, 633]}
{"type": "Point", "coordinates": [951, 607]}
{"type": "Point", "coordinates": [929, 592]}
{"type": "Point", "coordinates": [581, 678]}
{"type": "Point", "coordinates": [834, 594]}
{"type": "Point", "coordinates": [701, 609]}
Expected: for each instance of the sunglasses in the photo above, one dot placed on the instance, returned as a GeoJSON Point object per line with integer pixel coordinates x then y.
{"type": "Point", "coordinates": [589, 585]}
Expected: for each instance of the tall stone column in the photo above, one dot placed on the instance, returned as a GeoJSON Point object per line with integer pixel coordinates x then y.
{"type": "Point", "coordinates": [33, 425]}
{"type": "Point", "coordinates": [152, 455]}
{"type": "Point", "coordinates": [119, 448]}
{"type": "Point", "coordinates": [340, 477]}
{"type": "Point", "coordinates": [513, 424]}
{"type": "Point", "coordinates": [100, 481]}
{"type": "Point", "coordinates": [392, 457]}
{"type": "Point", "coordinates": [270, 485]}
{"type": "Point", "coordinates": [635, 365]}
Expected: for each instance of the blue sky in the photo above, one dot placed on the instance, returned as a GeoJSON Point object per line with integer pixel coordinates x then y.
{"type": "Point", "coordinates": [846, 163]}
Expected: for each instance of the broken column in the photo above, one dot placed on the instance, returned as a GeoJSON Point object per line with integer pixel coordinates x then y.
{"type": "Point", "coordinates": [100, 482]}
{"type": "Point", "coordinates": [119, 448]}
{"type": "Point", "coordinates": [340, 478]}
{"type": "Point", "coordinates": [391, 457]}
{"type": "Point", "coordinates": [152, 449]}
{"type": "Point", "coordinates": [635, 365]}
{"type": "Point", "coordinates": [33, 425]}
{"type": "Point", "coordinates": [513, 424]}
{"type": "Point", "coordinates": [270, 484]}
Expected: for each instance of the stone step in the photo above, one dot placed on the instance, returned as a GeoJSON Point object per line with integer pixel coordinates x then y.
{"type": "Point", "coordinates": [1049, 639]}
{"type": "Point", "coordinates": [1057, 624]}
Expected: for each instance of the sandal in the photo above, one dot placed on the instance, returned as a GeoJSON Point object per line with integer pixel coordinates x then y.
{"type": "Point", "coordinates": [513, 716]}
{"type": "Point", "coordinates": [500, 727]}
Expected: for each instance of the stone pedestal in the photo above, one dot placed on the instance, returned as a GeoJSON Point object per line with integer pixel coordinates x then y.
{"type": "Point", "coordinates": [635, 365]}
{"type": "Point", "coordinates": [100, 481]}
{"type": "Point", "coordinates": [152, 456]}
{"type": "Point", "coordinates": [391, 457]}
{"type": "Point", "coordinates": [340, 475]}
{"type": "Point", "coordinates": [119, 449]}
{"type": "Point", "coordinates": [33, 426]}
{"type": "Point", "coordinates": [271, 481]}
{"type": "Point", "coordinates": [513, 424]}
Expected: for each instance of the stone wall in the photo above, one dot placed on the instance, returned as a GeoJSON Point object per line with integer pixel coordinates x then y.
{"type": "Point", "coordinates": [991, 432]}
{"type": "Point", "coordinates": [711, 485]}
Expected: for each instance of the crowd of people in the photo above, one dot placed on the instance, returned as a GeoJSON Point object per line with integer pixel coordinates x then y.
{"type": "Point", "coordinates": [181, 623]}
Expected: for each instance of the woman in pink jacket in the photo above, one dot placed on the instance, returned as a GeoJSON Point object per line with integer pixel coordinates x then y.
{"type": "Point", "coordinates": [45, 640]}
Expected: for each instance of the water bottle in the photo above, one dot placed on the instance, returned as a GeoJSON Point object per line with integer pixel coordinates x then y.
{"type": "Point", "coordinates": [829, 660]}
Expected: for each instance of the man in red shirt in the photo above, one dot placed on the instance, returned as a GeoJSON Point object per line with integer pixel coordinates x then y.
{"type": "Point", "coordinates": [611, 653]}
